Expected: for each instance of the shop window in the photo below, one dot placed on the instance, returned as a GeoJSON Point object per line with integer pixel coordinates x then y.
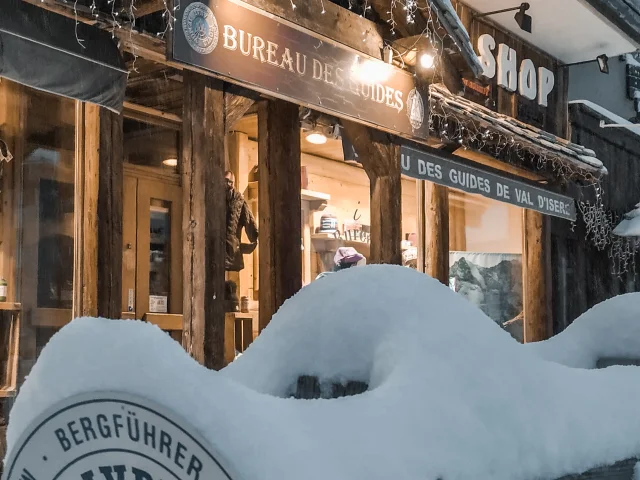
{"type": "Point", "coordinates": [485, 257]}
{"type": "Point", "coordinates": [37, 194]}
{"type": "Point", "coordinates": [151, 146]}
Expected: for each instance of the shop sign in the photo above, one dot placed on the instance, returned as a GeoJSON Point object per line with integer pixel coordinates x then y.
{"type": "Point", "coordinates": [249, 46]}
{"type": "Point", "coordinates": [443, 171]}
{"type": "Point", "coordinates": [531, 84]}
{"type": "Point", "coordinates": [111, 437]}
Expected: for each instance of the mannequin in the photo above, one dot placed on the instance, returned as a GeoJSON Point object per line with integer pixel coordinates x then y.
{"type": "Point", "coordinates": [239, 217]}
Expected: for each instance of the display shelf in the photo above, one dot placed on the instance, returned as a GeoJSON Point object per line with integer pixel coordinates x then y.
{"type": "Point", "coordinates": [325, 242]}
{"type": "Point", "coordinates": [10, 307]}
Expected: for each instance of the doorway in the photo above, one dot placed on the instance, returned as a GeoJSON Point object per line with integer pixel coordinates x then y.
{"type": "Point", "coordinates": [152, 227]}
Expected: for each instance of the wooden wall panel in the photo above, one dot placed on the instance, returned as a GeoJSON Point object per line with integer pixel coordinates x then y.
{"type": "Point", "coordinates": [554, 118]}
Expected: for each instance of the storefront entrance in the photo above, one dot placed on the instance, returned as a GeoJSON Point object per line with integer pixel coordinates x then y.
{"type": "Point", "coordinates": [152, 229]}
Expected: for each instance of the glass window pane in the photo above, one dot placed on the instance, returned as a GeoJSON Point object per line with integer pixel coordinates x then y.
{"type": "Point", "coordinates": [148, 145]}
{"type": "Point", "coordinates": [159, 256]}
{"type": "Point", "coordinates": [485, 258]}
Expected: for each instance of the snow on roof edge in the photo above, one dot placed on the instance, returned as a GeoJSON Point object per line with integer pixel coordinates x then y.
{"type": "Point", "coordinates": [608, 115]}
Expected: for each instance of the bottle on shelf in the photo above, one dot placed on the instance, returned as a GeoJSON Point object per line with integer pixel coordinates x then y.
{"type": "Point", "coordinates": [3, 290]}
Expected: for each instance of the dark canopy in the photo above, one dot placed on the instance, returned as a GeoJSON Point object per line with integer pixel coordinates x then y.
{"type": "Point", "coordinates": [50, 52]}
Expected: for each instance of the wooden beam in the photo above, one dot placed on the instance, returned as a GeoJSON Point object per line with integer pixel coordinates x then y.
{"type": "Point", "coordinates": [80, 14]}
{"type": "Point", "coordinates": [110, 212]}
{"type": "Point", "coordinates": [279, 202]}
{"type": "Point", "coordinates": [436, 241]}
{"type": "Point", "coordinates": [238, 101]}
{"type": "Point", "coordinates": [145, 7]}
{"type": "Point", "coordinates": [204, 219]}
{"type": "Point", "coordinates": [85, 268]}
{"type": "Point", "coordinates": [141, 113]}
{"type": "Point", "coordinates": [535, 263]}
{"type": "Point", "coordinates": [380, 158]}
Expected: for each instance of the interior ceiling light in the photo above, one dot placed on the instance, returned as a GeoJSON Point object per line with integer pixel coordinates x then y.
{"type": "Point", "coordinates": [427, 60]}
{"type": "Point", "coordinates": [317, 138]}
{"type": "Point", "coordinates": [170, 162]}
{"type": "Point", "coordinates": [523, 20]}
{"type": "Point", "coordinates": [603, 63]}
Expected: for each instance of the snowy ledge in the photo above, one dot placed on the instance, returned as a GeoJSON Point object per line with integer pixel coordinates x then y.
{"type": "Point", "coordinates": [451, 395]}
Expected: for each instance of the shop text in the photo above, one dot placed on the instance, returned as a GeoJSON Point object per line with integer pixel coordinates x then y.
{"type": "Point", "coordinates": [447, 172]}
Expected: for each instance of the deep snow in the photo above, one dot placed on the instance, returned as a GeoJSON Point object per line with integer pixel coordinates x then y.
{"type": "Point", "coordinates": [609, 329]}
{"type": "Point", "coordinates": [451, 394]}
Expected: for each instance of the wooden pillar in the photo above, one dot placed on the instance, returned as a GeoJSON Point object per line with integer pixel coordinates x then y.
{"type": "Point", "coordinates": [279, 204]}
{"type": "Point", "coordinates": [436, 240]}
{"type": "Point", "coordinates": [536, 279]}
{"type": "Point", "coordinates": [85, 269]}
{"type": "Point", "coordinates": [109, 214]}
{"type": "Point", "coordinates": [380, 158]}
{"type": "Point", "coordinates": [208, 113]}
{"type": "Point", "coordinates": [204, 218]}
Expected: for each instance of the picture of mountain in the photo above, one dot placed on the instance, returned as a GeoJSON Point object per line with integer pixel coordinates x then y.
{"type": "Point", "coordinates": [491, 281]}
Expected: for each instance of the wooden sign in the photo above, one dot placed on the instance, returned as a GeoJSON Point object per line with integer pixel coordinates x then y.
{"type": "Point", "coordinates": [454, 174]}
{"type": "Point", "coordinates": [251, 47]}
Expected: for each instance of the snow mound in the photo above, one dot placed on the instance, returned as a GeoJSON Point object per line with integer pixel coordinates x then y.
{"type": "Point", "coordinates": [451, 395]}
{"type": "Point", "coordinates": [610, 329]}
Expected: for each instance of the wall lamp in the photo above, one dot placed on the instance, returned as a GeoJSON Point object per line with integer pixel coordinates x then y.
{"type": "Point", "coordinates": [603, 63]}
{"type": "Point", "coordinates": [523, 20]}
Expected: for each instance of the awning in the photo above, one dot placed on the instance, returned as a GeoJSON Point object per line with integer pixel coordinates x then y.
{"type": "Point", "coordinates": [49, 52]}
{"type": "Point", "coordinates": [565, 157]}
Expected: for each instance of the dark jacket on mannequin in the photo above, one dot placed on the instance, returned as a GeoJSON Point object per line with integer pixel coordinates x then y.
{"type": "Point", "coordinates": [239, 216]}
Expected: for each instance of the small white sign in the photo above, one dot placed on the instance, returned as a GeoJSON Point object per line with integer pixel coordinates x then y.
{"type": "Point", "coordinates": [157, 304]}
{"type": "Point", "coordinates": [109, 436]}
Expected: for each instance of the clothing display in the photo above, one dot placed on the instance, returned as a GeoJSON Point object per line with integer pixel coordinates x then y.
{"type": "Point", "coordinates": [239, 216]}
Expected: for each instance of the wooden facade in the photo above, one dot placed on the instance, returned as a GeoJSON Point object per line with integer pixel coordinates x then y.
{"type": "Point", "coordinates": [584, 275]}
{"type": "Point", "coordinates": [112, 196]}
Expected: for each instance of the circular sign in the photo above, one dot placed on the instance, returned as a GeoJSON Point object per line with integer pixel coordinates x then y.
{"type": "Point", "coordinates": [415, 109]}
{"type": "Point", "coordinates": [111, 436]}
{"type": "Point", "coordinates": [200, 27]}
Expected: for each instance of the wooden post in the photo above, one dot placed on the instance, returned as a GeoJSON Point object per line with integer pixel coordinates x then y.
{"type": "Point", "coordinates": [204, 218]}
{"type": "Point", "coordinates": [279, 203]}
{"type": "Point", "coordinates": [208, 113]}
{"type": "Point", "coordinates": [535, 285]}
{"type": "Point", "coordinates": [85, 269]}
{"type": "Point", "coordinates": [436, 232]}
{"type": "Point", "coordinates": [380, 158]}
{"type": "Point", "coordinates": [109, 214]}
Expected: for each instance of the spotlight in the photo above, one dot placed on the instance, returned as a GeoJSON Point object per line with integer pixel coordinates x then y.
{"type": "Point", "coordinates": [522, 19]}
{"type": "Point", "coordinates": [603, 63]}
{"type": "Point", "coordinates": [317, 138]}
{"type": "Point", "coordinates": [427, 60]}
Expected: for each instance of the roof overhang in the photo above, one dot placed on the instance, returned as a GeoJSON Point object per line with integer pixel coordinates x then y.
{"type": "Point", "coordinates": [53, 53]}
{"type": "Point", "coordinates": [569, 30]}
{"type": "Point", "coordinates": [482, 127]}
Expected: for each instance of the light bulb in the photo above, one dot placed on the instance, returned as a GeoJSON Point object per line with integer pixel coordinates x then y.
{"type": "Point", "coordinates": [316, 138]}
{"type": "Point", "coordinates": [427, 60]}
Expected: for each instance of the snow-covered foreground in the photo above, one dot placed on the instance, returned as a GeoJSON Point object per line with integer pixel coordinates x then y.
{"type": "Point", "coordinates": [451, 396]}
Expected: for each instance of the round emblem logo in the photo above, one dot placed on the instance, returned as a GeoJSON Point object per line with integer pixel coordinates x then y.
{"type": "Point", "coordinates": [415, 109]}
{"type": "Point", "coordinates": [111, 436]}
{"type": "Point", "coordinates": [200, 27]}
